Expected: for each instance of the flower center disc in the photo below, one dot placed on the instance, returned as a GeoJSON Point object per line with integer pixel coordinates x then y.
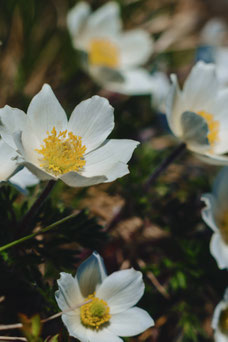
{"type": "Point", "coordinates": [213, 127]}
{"type": "Point", "coordinates": [223, 321]}
{"type": "Point", "coordinates": [223, 226]}
{"type": "Point", "coordinates": [103, 53]}
{"type": "Point", "coordinates": [62, 152]}
{"type": "Point", "coordinates": [95, 313]}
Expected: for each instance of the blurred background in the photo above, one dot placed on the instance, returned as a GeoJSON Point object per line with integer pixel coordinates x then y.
{"type": "Point", "coordinates": [158, 231]}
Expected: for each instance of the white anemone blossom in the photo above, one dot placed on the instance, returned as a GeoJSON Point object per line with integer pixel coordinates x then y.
{"type": "Point", "coordinates": [197, 115]}
{"type": "Point", "coordinates": [75, 151]}
{"type": "Point", "coordinates": [220, 320]}
{"type": "Point", "coordinates": [113, 57]}
{"type": "Point", "coordinates": [109, 309]}
{"type": "Point", "coordinates": [215, 214]}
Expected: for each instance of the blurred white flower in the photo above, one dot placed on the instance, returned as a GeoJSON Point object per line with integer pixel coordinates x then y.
{"type": "Point", "coordinates": [111, 311]}
{"type": "Point", "coordinates": [113, 57]}
{"type": "Point", "coordinates": [197, 115]}
{"type": "Point", "coordinates": [75, 151]}
{"type": "Point", "coordinates": [220, 320]}
{"type": "Point", "coordinates": [215, 214]}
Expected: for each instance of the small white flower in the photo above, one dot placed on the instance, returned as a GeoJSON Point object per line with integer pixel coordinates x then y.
{"type": "Point", "coordinates": [113, 57]}
{"type": "Point", "coordinates": [111, 311]}
{"type": "Point", "coordinates": [75, 151]}
{"type": "Point", "coordinates": [215, 214]}
{"type": "Point", "coordinates": [197, 115]}
{"type": "Point", "coordinates": [220, 320]}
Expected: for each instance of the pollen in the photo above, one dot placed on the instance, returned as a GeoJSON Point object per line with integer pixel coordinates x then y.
{"type": "Point", "coordinates": [103, 53]}
{"type": "Point", "coordinates": [95, 314]}
{"type": "Point", "coordinates": [213, 127]}
{"type": "Point", "coordinates": [223, 321]}
{"type": "Point", "coordinates": [61, 152]}
{"type": "Point", "coordinates": [223, 226]}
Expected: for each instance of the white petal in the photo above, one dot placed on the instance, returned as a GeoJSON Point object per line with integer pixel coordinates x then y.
{"type": "Point", "coordinates": [103, 335]}
{"type": "Point", "coordinates": [45, 112]}
{"type": "Point", "coordinates": [105, 20]}
{"type": "Point", "coordinates": [24, 178]}
{"type": "Point", "coordinates": [219, 307]}
{"type": "Point", "coordinates": [135, 82]}
{"type": "Point", "coordinates": [12, 119]}
{"type": "Point", "coordinates": [220, 337]}
{"type": "Point", "coordinates": [136, 47]}
{"type": "Point", "coordinates": [77, 17]}
{"type": "Point", "coordinates": [110, 159]}
{"type": "Point", "coordinates": [208, 213]}
{"type": "Point", "coordinates": [121, 290]}
{"type": "Point", "coordinates": [130, 322]}
{"type": "Point", "coordinates": [68, 295]}
{"type": "Point", "coordinates": [213, 159]}
{"type": "Point", "coordinates": [74, 327]}
{"type": "Point", "coordinates": [219, 250]}
{"type": "Point", "coordinates": [91, 273]}
{"type": "Point", "coordinates": [76, 180]}
{"type": "Point", "coordinates": [93, 120]}
{"type": "Point", "coordinates": [160, 89]}
{"type": "Point", "coordinates": [220, 188]}
{"type": "Point", "coordinates": [7, 161]}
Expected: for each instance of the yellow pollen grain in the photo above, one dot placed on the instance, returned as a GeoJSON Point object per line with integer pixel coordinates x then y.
{"type": "Point", "coordinates": [95, 313]}
{"type": "Point", "coordinates": [62, 152]}
{"type": "Point", "coordinates": [213, 127]}
{"type": "Point", "coordinates": [223, 226]}
{"type": "Point", "coordinates": [223, 321]}
{"type": "Point", "coordinates": [103, 53]}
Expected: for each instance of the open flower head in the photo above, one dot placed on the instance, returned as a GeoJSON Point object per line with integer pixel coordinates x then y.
{"type": "Point", "coordinates": [75, 151]}
{"type": "Point", "coordinates": [197, 115]}
{"type": "Point", "coordinates": [109, 302]}
{"type": "Point", "coordinates": [215, 214]}
{"type": "Point", "coordinates": [220, 320]}
{"type": "Point", "coordinates": [113, 57]}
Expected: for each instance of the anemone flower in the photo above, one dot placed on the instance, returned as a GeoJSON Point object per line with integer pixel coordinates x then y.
{"type": "Point", "coordinates": [220, 320]}
{"type": "Point", "coordinates": [75, 151]}
{"type": "Point", "coordinates": [215, 214]}
{"type": "Point", "coordinates": [197, 115]}
{"type": "Point", "coordinates": [99, 308]}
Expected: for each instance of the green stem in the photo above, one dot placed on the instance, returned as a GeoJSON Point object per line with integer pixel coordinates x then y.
{"type": "Point", "coordinates": [30, 236]}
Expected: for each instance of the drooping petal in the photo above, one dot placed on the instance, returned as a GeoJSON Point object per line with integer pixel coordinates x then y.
{"type": "Point", "coordinates": [213, 159]}
{"type": "Point", "coordinates": [93, 121]}
{"type": "Point", "coordinates": [74, 327]}
{"type": "Point", "coordinates": [12, 119]}
{"type": "Point", "coordinates": [45, 112]}
{"type": "Point", "coordinates": [68, 296]}
{"type": "Point", "coordinates": [208, 213]}
{"type": "Point", "coordinates": [103, 335]}
{"type": "Point", "coordinates": [24, 178]}
{"type": "Point", "coordinates": [121, 290]}
{"type": "Point", "coordinates": [219, 250]}
{"type": "Point", "coordinates": [220, 189]}
{"type": "Point", "coordinates": [219, 336]}
{"type": "Point", "coordinates": [7, 161]}
{"type": "Point", "coordinates": [130, 322]}
{"type": "Point", "coordinates": [91, 273]}
{"type": "Point", "coordinates": [77, 17]}
{"type": "Point", "coordinates": [136, 47]}
{"type": "Point", "coordinates": [76, 180]}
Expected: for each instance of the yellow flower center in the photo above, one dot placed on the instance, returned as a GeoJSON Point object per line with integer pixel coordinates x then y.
{"type": "Point", "coordinates": [223, 226]}
{"type": "Point", "coordinates": [62, 152]}
{"type": "Point", "coordinates": [103, 53]}
{"type": "Point", "coordinates": [213, 127]}
{"type": "Point", "coordinates": [95, 313]}
{"type": "Point", "coordinates": [223, 321]}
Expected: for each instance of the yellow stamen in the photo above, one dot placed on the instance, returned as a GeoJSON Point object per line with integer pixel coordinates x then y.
{"type": "Point", "coordinates": [213, 127]}
{"type": "Point", "coordinates": [94, 314]}
{"type": "Point", "coordinates": [223, 321]}
{"type": "Point", "coordinates": [103, 53]}
{"type": "Point", "coordinates": [223, 225]}
{"type": "Point", "coordinates": [62, 152]}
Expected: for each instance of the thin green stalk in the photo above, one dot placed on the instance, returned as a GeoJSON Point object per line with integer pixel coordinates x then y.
{"type": "Point", "coordinates": [30, 236]}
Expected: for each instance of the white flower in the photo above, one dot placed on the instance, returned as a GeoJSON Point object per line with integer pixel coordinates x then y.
{"type": "Point", "coordinates": [113, 57]}
{"type": "Point", "coordinates": [220, 320]}
{"type": "Point", "coordinates": [215, 214]}
{"type": "Point", "coordinates": [75, 151]}
{"type": "Point", "coordinates": [111, 311]}
{"type": "Point", "coordinates": [198, 114]}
